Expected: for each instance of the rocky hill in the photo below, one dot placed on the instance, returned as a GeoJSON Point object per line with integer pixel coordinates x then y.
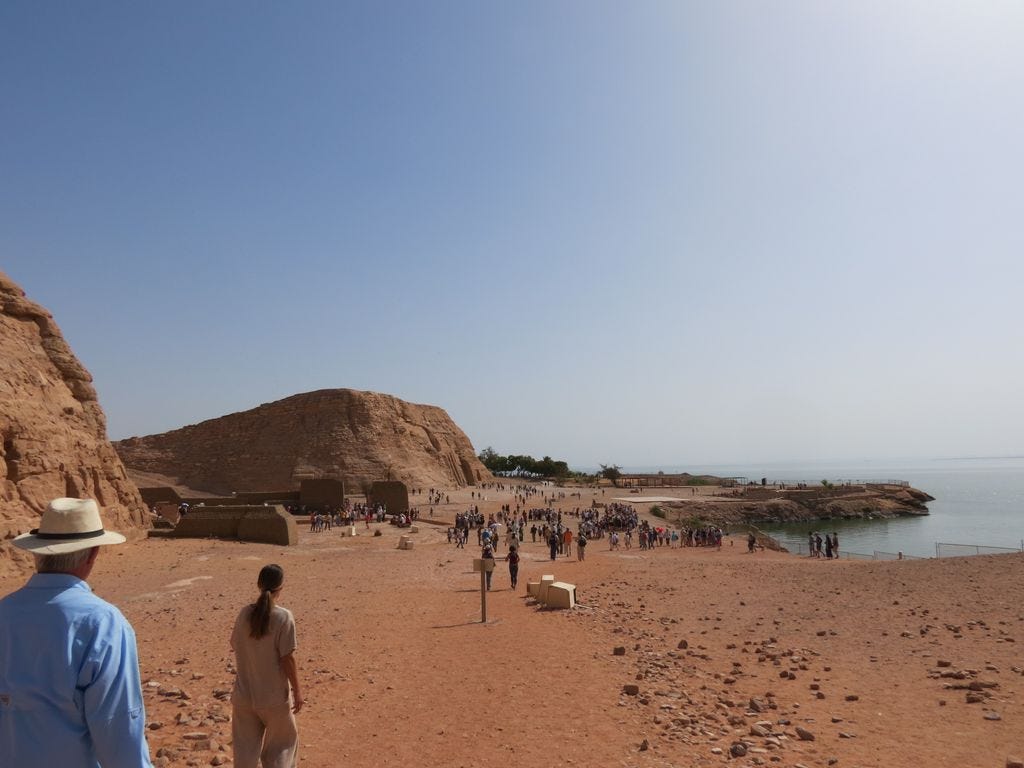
{"type": "Point", "coordinates": [340, 433]}
{"type": "Point", "coordinates": [53, 434]}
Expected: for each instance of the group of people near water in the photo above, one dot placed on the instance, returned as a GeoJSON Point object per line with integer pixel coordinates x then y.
{"type": "Point", "coordinates": [830, 542]}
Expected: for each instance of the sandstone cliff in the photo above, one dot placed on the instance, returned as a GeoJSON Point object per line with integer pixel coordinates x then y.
{"type": "Point", "coordinates": [53, 434]}
{"type": "Point", "coordinates": [341, 433]}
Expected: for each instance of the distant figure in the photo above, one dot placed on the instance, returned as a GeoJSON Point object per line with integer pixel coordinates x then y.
{"type": "Point", "coordinates": [512, 558]}
{"type": "Point", "coordinates": [70, 689]}
{"type": "Point", "coordinates": [581, 546]}
{"type": "Point", "coordinates": [751, 541]}
{"type": "Point", "coordinates": [835, 545]}
{"type": "Point", "coordinates": [263, 724]}
{"type": "Point", "coordinates": [488, 554]}
{"type": "Point", "coordinates": [553, 544]}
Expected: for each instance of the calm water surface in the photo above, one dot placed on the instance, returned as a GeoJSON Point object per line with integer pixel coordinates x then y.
{"type": "Point", "coordinates": [977, 501]}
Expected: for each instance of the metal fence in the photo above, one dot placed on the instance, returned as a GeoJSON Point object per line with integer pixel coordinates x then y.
{"type": "Point", "coordinates": [941, 550]}
{"type": "Point", "coordinates": [966, 550]}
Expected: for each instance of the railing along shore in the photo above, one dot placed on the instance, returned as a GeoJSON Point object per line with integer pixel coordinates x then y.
{"type": "Point", "coordinates": [941, 550]}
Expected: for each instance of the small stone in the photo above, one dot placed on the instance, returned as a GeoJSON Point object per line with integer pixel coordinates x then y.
{"type": "Point", "coordinates": [975, 698]}
{"type": "Point", "coordinates": [195, 736]}
{"type": "Point", "coordinates": [1014, 762]}
{"type": "Point", "coordinates": [644, 746]}
{"type": "Point", "coordinates": [683, 645]}
{"type": "Point", "coordinates": [631, 689]}
{"type": "Point", "coordinates": [852, 697]}
{"type": "Point", "coordinates": [156, 725]}
{"type": "Point", "coordinates": [619, 650]}
{"type": "Point", "coordinates": [943, 663]}
{"type": "Point", "coordinates": [738, 750]}
{"type": "Point", "coordinates": [804, 734]}
{"type": "Point", "coordinates": [993, 716]}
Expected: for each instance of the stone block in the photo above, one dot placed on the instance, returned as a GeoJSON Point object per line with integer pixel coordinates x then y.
{"type": "Point", "coordinates": [561, 595]}
{"type": "Point", "coordinates": [542, 591]}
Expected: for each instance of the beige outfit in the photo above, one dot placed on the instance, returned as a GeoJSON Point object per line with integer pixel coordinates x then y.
{"type": "Point", "coordinates": [262, 724]}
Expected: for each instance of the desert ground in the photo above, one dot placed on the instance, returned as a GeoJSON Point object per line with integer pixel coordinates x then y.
{"type": "Point", "coordinates": [802, 662]}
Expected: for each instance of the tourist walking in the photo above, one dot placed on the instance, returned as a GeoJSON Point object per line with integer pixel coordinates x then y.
{"type": "Point", "coordinates": [488, 554]}
{"type": "Point", "coordinates": [70, 689]}
{"type": "Point", "coordinates": [512, 558]}
{"type": "Point", "coordinates": [263, 720]}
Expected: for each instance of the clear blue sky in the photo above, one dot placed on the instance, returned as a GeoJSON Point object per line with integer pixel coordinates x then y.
{"type": "Point", "coordinates": [641, 233]}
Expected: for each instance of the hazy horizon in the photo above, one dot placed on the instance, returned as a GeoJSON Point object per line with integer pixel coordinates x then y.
{"type": "Point", "coordinates": [643, 234]}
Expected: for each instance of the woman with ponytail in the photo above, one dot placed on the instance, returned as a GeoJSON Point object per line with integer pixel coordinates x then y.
{"type": "Point", "coordinates": [263, 721]}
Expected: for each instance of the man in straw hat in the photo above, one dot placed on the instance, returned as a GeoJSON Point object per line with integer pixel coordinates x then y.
{"type": "Point", "coordinates": [69, 670]}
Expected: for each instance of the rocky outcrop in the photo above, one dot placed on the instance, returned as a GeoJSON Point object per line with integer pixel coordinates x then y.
{"type": "Point", "coordinates": [785, 506]}
{"type": "Point", "coordinates": [358, 437]}
{"type": "Point", "coordinates": [53, 434]}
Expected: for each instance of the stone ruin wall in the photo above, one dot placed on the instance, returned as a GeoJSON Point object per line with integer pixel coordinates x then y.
{"type": "Point", "coordinates": [261, 524]}
{"type": "Point", "coordinates": [53, 433]}
{"type": "Point", "coordinates": [392, 493]}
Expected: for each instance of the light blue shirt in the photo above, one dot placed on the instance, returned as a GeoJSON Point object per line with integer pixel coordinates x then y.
{"type": "Point", "coordinates": [70, 693]}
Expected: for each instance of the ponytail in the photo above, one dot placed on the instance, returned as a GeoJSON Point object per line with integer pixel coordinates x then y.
{"type": "Point", "coordinates": [270, 580]}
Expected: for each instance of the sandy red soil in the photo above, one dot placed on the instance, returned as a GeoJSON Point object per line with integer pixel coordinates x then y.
{"type": "Point", "coordinates": [399, 670]}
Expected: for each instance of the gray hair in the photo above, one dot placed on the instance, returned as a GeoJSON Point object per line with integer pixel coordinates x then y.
{"type": "Point", "coordinates": [64, 563]}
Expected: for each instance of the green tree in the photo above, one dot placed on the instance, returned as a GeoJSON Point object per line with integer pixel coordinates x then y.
{"type": "Point", "coordinates": [611, 472]}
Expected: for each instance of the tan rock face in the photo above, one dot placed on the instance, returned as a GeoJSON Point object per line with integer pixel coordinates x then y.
{"type": "Point", "coordinates": [53, 434]}
{"type": "Point", "coordinates": [356, 436]}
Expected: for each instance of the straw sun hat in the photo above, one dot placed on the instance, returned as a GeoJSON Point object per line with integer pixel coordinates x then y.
{"type": "Point", "coordinates": [68, 525]}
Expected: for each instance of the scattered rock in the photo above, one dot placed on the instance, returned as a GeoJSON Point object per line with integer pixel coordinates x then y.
{"type": "Point", "coordinates": [738, 749]}
{"type": "Point", "coordinates": [619, 650]}
{"type": "Point", "coordinates": [631, 689]}
{"type": "Point", "coordinates": [804, 734]}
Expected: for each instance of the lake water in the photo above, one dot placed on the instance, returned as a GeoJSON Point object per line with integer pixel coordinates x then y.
{"type": "Point", "coordinates": [977, 502]}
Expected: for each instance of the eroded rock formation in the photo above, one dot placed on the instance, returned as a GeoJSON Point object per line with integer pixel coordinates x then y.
{"type": "Point", "coordinates": [53, 434]}
{"type": "Point", "coordinates": [355, 436]}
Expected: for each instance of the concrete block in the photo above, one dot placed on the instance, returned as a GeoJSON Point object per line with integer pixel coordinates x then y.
{"type": "Point", "coordinates": [414, 529]}
{"type": "Point", "coordinates": [532, 589]}
{"type": "Point", "coordinates": [405, 542]}
{"type": "Point", "coordinates": [347, 530]}
{"type": "Point", "coordinates": [542, 591]}
{"type": "Point", "coordinates": [561, 595]}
